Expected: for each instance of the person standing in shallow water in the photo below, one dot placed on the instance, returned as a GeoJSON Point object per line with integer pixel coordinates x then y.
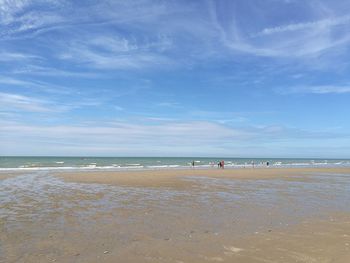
{"type": "Point", "coordinates": [192, 164]}
{"type": "Point", "coordinates": [222, 164]}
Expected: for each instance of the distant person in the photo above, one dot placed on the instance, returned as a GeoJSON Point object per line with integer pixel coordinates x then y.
{"type": "Point", "coordinates": [219, 164]}
{"type": "Point", "coordinates": [192, 164]}
{"type": "Point", "coordinates": [267, 164]}
{"type": "Point", "coordinates": [222, 164]}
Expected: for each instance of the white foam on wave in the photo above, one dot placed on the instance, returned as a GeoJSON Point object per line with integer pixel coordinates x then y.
{"type": "Point", "coordinates": [38, 168]}
{"type": "Point", "coordinates": [133, 167]}
{"type": "Point", "coordinates": [163, 166]}
{"type": "Point", "coordinates": [301, 164]}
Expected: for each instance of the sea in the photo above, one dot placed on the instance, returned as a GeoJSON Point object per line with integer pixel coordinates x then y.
{"type": "Point", "coordinates": [8, 163]}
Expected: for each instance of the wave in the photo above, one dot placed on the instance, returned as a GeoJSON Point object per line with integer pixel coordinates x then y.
{"type": "Point", "coordinates": [136, 166]}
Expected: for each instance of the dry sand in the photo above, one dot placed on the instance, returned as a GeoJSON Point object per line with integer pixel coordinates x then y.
{"type": "Point", "coordinates": [246, 215]}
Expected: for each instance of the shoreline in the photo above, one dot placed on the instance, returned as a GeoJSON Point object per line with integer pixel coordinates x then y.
{"type": "Point", "coordinates": [139, 167]}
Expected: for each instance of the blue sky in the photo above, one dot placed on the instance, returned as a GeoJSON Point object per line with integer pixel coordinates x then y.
{"type": "Point", "coordinates": [259, 78]}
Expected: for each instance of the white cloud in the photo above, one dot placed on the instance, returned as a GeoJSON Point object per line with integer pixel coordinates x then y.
{"type": "Point", "coordinates": [123, 134]}
{"type": "Point", "coordinates": [171, 138]}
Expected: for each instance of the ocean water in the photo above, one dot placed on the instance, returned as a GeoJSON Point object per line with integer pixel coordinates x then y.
{"type": "Point", "coordinates": [134, 163]}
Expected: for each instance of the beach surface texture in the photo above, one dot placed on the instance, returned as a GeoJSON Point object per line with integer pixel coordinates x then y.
{"type": "Point", "coordinates": [177, 215]}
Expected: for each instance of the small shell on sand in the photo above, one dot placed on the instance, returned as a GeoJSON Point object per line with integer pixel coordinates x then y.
{"type": "Point", "coordinates": [218, 259]}
{"type": "Point", "coordinates": [233, 249]}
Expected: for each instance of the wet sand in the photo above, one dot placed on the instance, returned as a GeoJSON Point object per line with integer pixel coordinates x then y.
{"type": "Point", "coordinates": [174, 178]}
{"type": "Point", "coordinates": [5, 175]}
{"type": "Point", "coordinates": [246, 215]}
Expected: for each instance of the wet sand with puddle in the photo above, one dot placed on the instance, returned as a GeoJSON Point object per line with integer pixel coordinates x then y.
{"type": "Point", "coordinates": [8, 175]}
{"type": "Point", "coordinates": [241, 215]}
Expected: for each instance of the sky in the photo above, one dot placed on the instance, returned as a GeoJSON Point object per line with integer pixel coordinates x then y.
{"type": "Point", "coordinates": [252, 78]}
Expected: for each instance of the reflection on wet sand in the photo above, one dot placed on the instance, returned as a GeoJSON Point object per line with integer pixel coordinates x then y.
{"type": "Point", "coordinates": [299, 217]}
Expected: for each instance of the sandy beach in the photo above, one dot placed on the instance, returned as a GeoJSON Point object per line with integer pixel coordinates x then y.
{"type": "Point", "coordinates": [238, 215]}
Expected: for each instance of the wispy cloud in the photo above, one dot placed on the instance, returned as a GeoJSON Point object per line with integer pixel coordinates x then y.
{"type": "Point", "coordinates": [24, 21]}
{"type": "Point", "coordinates": [31, 69]}
{"type": "Point", "coordinates": [6, 56]}
{"type": "Point", "coordinates": [12, 102]}
{"type": "Point", "coordinates": [314, 25]}
{"type": "Point", "coordinates": [143, 43]}
{"type": "Point", "coordinates": [9, 8]}
{"type": "Point", "coordinates": [321, 89]}
{"type": "Point", "coordinates": [169, 104]}
{"type": "Point", "coordinates": [36, 85]}
{"type": "Point", "coordinates": [295, 40]}
{"type": "Point", "coordinates": [87, 45]}
{"type": "Point", "coordinates": [117, 53]}
{"type": "Point", "coordinates": [18, 15]}
{"type": "Point", "coordinates": [32, 21]}
{"type": "Point", "coordinates": [13, 81]}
